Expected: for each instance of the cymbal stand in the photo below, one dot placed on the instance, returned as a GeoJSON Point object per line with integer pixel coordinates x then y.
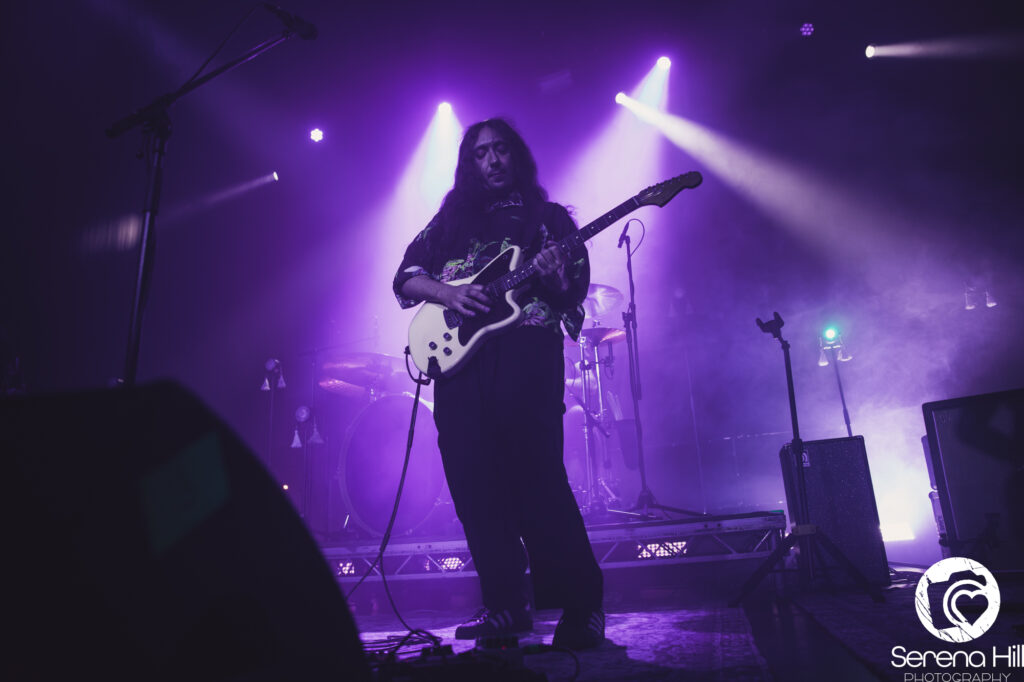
{"type": "Point", "coordinates": [598, 494]}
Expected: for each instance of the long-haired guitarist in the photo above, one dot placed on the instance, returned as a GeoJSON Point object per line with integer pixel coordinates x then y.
{"type": "Point", "coordinates": [499, 416]}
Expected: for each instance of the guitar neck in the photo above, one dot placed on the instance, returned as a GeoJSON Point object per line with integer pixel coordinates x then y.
{"type": "Point", "coordinates": [526, 272]}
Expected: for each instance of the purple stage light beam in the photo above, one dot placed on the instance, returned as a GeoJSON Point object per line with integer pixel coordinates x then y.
{"type": "Point", "coordinates": [623, 159]}
{"type": "Point", "coordinates": [419, 190]}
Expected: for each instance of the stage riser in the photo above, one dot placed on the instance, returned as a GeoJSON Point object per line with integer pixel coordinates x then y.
{"type": "Point", "coordinates": [721, 539]}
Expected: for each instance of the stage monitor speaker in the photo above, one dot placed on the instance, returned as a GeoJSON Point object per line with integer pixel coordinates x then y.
{"type": "Point", "coordinates": [976, 460]}
{"type": "Point", "coordinates": [144, 541]}
{"type": "Point", "coordinates": [841, 502]}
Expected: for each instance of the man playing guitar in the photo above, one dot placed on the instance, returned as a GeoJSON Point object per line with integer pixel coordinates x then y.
{"type": "Point", "coordinates": [499, 414]}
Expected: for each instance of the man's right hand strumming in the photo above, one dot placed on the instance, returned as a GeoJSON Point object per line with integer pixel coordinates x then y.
{"type": "Point", "coordinates": [463, 298]}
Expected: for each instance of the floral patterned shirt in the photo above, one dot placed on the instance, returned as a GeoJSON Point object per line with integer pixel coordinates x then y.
{"type": "Point", "coordinates": [505, 224]}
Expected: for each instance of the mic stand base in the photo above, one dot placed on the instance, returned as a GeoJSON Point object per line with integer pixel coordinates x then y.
{"type": "Point", "coordinates": [811, 540]}
{"type": "Point", "coordinates": [646, 501]}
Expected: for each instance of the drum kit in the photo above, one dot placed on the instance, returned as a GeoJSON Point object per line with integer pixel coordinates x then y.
{"type": "Point", "coordinates": [370, 461]}
{"type": "Point", "coordinates": [590, 393]}
{"type": "Point", "coordinates": [373, 450]}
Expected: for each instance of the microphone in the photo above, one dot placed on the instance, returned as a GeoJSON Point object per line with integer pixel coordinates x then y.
{"type": "Point", "coordinates": [622, 237]}
{"type": "Point", "coordinates": [293, 22]}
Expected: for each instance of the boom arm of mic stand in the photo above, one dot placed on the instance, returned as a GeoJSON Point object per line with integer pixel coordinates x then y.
{"type": "Point", "coordinates": [156, 122]}
{"type": "Point", "coordinates": [163, 102]}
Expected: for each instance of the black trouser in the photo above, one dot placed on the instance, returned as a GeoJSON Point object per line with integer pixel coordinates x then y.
{"type": "Point", "coordinates": [499, 423]}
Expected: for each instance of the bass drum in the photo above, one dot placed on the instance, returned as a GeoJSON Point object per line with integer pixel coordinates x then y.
{"type": "Point", "coordinates": [370, 466]}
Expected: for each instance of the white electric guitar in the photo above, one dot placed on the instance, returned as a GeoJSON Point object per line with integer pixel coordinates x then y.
{"type": "Point", "coordinates": [441, 339]}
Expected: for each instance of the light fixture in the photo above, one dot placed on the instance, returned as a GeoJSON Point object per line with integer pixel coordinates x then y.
{"type": "Point", "coordinates": [661, 549]}
{"type": "Point", "coordinates": [272, 375]}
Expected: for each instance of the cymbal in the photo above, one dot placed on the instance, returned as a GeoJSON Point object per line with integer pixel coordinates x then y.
{"type": "Point", "coordinates": [601, 299]}
{"type": "Point", "coordinates": [366, 370]}
{"type": "Point", "coordinates": [598, 335]}
{"type": "Point", "coordinates": [339, 387]}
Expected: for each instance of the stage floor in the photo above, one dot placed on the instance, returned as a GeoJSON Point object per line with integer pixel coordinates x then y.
{"type": "Point", "coordinates": [675, 644]}
{"type": "Point", "coordinates": [686, 632]}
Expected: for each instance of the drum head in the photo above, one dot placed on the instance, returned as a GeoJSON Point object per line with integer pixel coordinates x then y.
{"type": "Point", "coordinates": [370, 467]}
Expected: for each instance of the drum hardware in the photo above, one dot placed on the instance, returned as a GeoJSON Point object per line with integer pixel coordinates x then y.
{"type": "Point", "coordinates": [598, 335]}
{"type": "Point", "coordinates": [587, 390]}
{"type": "Point", "coordinates": [370, 464]}
{"type": "Point", "coordinates": [359, 373]}
{"type": "Point", "coordinates": [601, 300]}
{"type": "Point", "coordinates": [342, 388]}
{"type": "Point", "coordinates": [371, 457]}
{"type": "Point", "coordinates": [362, 377]}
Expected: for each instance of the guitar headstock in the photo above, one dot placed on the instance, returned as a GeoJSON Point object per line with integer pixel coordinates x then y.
{"type": "Point", "coordinates": [662, 193]}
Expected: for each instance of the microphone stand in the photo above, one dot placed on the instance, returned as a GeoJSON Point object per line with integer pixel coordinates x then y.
{"type": "Point", "coordinates": [645, 500]}
{"type": "Point", "coordinates": [156, 128]}
{"type": "Point", "coordinates": [805, 533]}
{"type": "Point", "coordinates": [842, 396]}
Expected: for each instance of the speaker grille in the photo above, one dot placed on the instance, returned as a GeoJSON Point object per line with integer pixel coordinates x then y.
{"type": "Point", "coordinates": [841, 502]}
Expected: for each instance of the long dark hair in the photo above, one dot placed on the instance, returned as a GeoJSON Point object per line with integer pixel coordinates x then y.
{"type": "Point", "coordinates": [470, 195]}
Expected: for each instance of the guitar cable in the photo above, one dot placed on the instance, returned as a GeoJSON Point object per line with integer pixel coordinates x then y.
{"type": "Point", "coordinates": [379, 560]}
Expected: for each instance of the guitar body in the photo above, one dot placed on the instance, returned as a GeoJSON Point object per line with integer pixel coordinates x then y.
{"type": "Point", "coordinates": [440, 340]}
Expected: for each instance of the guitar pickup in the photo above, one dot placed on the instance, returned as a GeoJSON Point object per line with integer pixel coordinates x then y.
{"type": "Point", "coordinates": [452, 318]}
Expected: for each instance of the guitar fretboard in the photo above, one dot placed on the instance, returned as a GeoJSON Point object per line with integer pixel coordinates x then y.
{"type": "Point", "coordinates": [524, 273]}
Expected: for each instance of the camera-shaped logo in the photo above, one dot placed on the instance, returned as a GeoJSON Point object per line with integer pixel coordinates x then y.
{"type": "Point", "coordinates": [957, 599]}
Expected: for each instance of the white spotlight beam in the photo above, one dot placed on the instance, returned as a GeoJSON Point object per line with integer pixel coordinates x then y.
{"type": "Point", "coordinates": [124, 233]}
{"type": "Point", "coordinates": [417, 195]}
{"type": "Point", "coordinates": [968, 47]}
{"type": "Point", "coordinates": [798, 199]}
{"type": "Point", "coordinates": [622, 158]}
